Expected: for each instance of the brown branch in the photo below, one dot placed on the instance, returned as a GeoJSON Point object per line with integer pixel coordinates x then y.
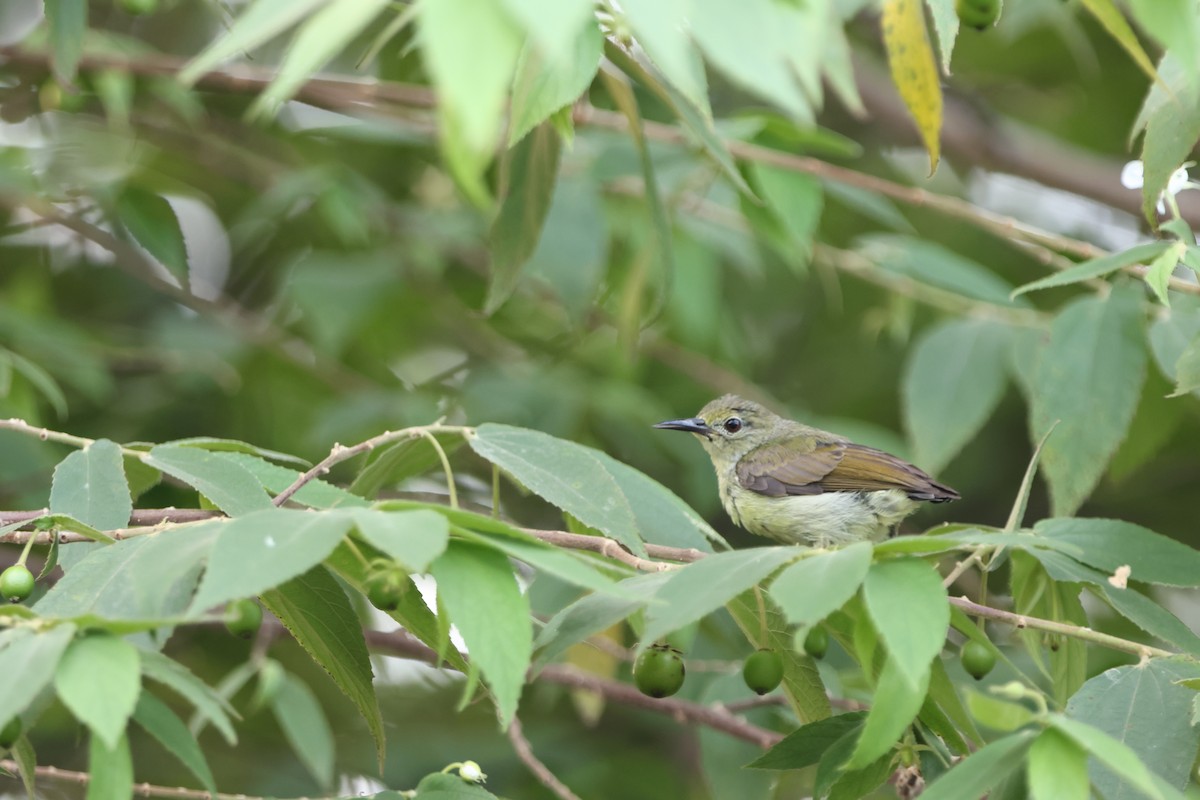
{"type": "Point", "coordinates": [405, 645]}
{"type": "Point", "coordinates": [524, 751]}
{"type": "Point", "coordinates": [140, 789]}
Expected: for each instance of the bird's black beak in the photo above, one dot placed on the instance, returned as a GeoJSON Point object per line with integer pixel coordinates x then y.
{"type": "Point", "coordinates": [693, 425]}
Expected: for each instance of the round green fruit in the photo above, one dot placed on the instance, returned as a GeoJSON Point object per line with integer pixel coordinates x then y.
{"type": "Point", "coordinates": [977, 659]}
{"type": "Point", "coordinates": [16, 583]}
{"type": "Point", "coordinates": [816, 643]}
{"type": "Point", "coordinates": [10, 733]}
{"type": "Point", "coordinates": [659, 671]}
{"type": "Point", "coordinates": [763, 671]}
{"type": "Point", "coordinates": [977, 14]}
{"type": "Point", "coordinates": [243, 618]}
{"type": "Point", "coordinates": [386, 591]}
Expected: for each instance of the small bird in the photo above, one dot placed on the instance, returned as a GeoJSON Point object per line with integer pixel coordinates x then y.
{"type": "Point", "coordinates": [798, 484]}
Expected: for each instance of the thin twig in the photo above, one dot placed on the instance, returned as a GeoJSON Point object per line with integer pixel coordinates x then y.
{"type": "Point", "coordinates": [1074, 631]}
{"type": "Point", "coordinates": [524, 752]}
{"type": "Point", "coordinates": [140, 789]}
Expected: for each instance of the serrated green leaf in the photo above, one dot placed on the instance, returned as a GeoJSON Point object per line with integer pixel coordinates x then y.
{"type": "Point", "coordinates": [566, 565]}
{"type": "Point", "coordinates": [208, 704]}
{"type": "Point", "coordinates": [262, 550]}
{"type": "Point", "coordinates": [152, 223]}
{"type": "Point", "coordinates": [1097, 267]}
{"type": "Point", "coordinates": [530, 170]}
{"type": "Point", "coordinates": [477, 588]}
{"type": "Point", "coordinates": [22, 753]}
{"type": "Point", "coordinates": [804, 746]}
{"type": "Point", "coordinates": [1139, 708]}
{"type": "Point", "coordinates": [234, 446]}
{"type": "Point", "coordinates": [68, 22]}
{"type": "Point", "coordinates": [163, 567]}
{"type": "Point", "coordinates": [160, 722]}
{"type": "Point", "coordinates": [1171, 130]}
{"type": "Point", "coordinates": [413, 538]}
{"type": "Point", "coordinates": [945, 23]}
{"type": "Point", "coordinates": [953, 382]}
{"type": "Point", "coordinates": [228, 484]}
{"type": "Point", "coordinates": [1110, 543]}
{"type": "Point", "coordinates": [89, 485]}
{"type": "Point", "coordinates": [1158, 274]}
{"type": "Point", "coordinates": [657, 26]}
{"type": "Point", "coordinates": [704, 586]}
{"type": "Point", "coordinates": [907, 602]}
{"type": "Point", "coordinates": [553, 25]}
{"type": "Point", "coordinates": [34, 657]}
{"type": "Point", "coordinates": [981, 771]}
{"type": "Point", "coordinates": [110, 769]}
{"type": "Point", "coordinates": [401, 460]}
{"type": "Point", "coordinates": [815, 586]}
{"type": "Point", "coordinates": [275, 479]}
{"type": "Point", "coordinates": [1187, 370]}
{"type": "Point", "coordinates": [99, 679]}
{"type": "Point", "coordinates": [934, 265]}
{"type": "Point", "coordinates": [1089, 377]}
{"type": "Point", "coordinates": [262, 21]}
{"type": "Point", "coordinates": [1113, 754]}
{"type": "Point", "coordinates": [539, 91]}
{"type": "Point", "coordinates": [317, 613]}
{"type": "Point", "coordinates": [897, 702]}
{"type": "Point", "coordinates": [305, 727]}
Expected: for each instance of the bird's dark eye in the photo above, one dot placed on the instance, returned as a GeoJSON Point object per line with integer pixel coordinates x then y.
{"type": "Point", "coordinates": [732, 425]}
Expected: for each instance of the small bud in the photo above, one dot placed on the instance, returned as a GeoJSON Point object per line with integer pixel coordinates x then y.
{"type": "Point", "coordinates": [471, 772]}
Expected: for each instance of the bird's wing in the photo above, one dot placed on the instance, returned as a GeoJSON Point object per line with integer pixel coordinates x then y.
{"type": "Point", "coordinates": [777, 470]}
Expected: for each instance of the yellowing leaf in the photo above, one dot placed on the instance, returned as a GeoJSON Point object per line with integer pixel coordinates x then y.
{"type": "Point", "coordinates": [914, 71]}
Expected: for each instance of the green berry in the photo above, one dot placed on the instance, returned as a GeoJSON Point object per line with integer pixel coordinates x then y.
{"type": "Point", "coordinates": [659, 671]}
{"type": "Point", "coordinates": [816, 643]}
{"type": "Point", "coordinates": [16, 583]}
{"type": "Point", "coordinates": [10, 733]}
{"type": "Point", "coordinates": [386, 590]}
{"type": "Point", "coordinates": [763, 671]}
{"type": "Point", "coordinates": [243, 617]}
{"type": "Point", "coordinates": [977, 659]}
{"type": "Point", "coordinates": [978, 14]}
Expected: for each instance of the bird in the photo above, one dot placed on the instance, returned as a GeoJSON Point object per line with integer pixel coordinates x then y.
{"type": "Point", "coordinates": [801, 485]}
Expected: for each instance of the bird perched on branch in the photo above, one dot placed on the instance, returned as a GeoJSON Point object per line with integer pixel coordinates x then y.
{"type": "Point", "coordinates": [797, 484]}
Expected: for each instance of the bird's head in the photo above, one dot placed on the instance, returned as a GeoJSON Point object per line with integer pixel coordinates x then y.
{"type": "Point", "coordinates": [729, 427]}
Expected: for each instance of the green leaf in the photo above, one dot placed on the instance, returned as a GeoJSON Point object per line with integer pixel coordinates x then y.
{"type": "Point", "coordinates": [68, 22]}
{"type": "Point", "coordinates": [1158, 274]}
{"type": "Point", "coordinates": [981, 771]}
{"type": "Point", "coordinates": [895, 705]}
{"type": "Point", "coordinates": [934, 265]}
{"type": "Point", "coordinates": [564, 473]}
{"type": "Point", "coordinates": [593, 613]}
{"type": "Point", "coordinates": [260, 22]}
{"type": "Point", "coordinates": [443, 786]}
{"type": "Point", "coordinates": [656, 25]}
{"type": "Point", "coordinates": [319, 616]}
{"type": "Point", "coordinates": [953, 382]}
{"type": "Point", "coordinates": [1114, 22]}
{"type": "Point", "coordinates": [1057, 768]}
{"type": "Point", "coordinates": [163, 567]}
{"type": "Point", "coordinates": [1110, 543]}
{"type": "Point", "coordinates": [1114, 755]}
{"type": "Point", "coordinates": [152, 223]}
{"type": "Point", "coordinates": [231, 486]}
{"type": "Point", "coordinates": [907, 602]}
{"type": "Point", "coordinates": [945, 22]}
{"type": "Point", "coordinates": [274, 478]}
{"type": "Point", "coordinates": [22, 753]}
{"type": "Point", "coordinates": [997, 714]}
{"type": "Point", "coordinates": [470, 49]}
{"type": "Point", "coordinates": [404, 459]}
{"type": "Point", "coordinates": [234, 446]}
{"type": "Point", "coordinates": [110, 769]}
{"type": "Point", "coordinates": [478, 590]}
{"type": "Point", "coordinates": [540, 89]}
{"type": "Point", "coordinates": [721, 756]}
{"type": "Point", "coordinates": [305, 727]}
{"type": "Point", "coordinates": [820, 583]}
{"type": "Point", "coordinates": [795, 200]}
{"type": "Point", "coordinates": [413, 538]}
{"type": "Point", "coordinates": [32, 656]}
{"type": "Point", "coordinates": [552, 25]}
{"type": "Point", "coordinates": [89, 485]}
{"type": "Point", "coordinates": [208, 704]}
{"type": "Point", "coordinates": [1171, 130]}
{"type": "Point", "coordinates": [1174, 24]}
{"type": "Point", "coordinates": [160, 722]}
{"type": "Point", "coordinates": [98, 679]}
{"type": "Point", "coordinates": [530, 170]}
{"type": "Point", "coordinates": [804, 746]}
{"type": "Point", "coordinates": [1187, 370]}
{"type": "Point", "coordinates": [263, 550]}
{"type": "Point", "coordinates": [704, 586]}
{"type": "Point", "coordinates": [1172, 331]}
{"type": "Point", "coordinates": [1143, 708]}
{"type": "Point", "coordinates": [1089, 377]}
{"type": "Point", "coordinates": [566, 565]}
{"type": "Point", "coordinates": [1097, 267]}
